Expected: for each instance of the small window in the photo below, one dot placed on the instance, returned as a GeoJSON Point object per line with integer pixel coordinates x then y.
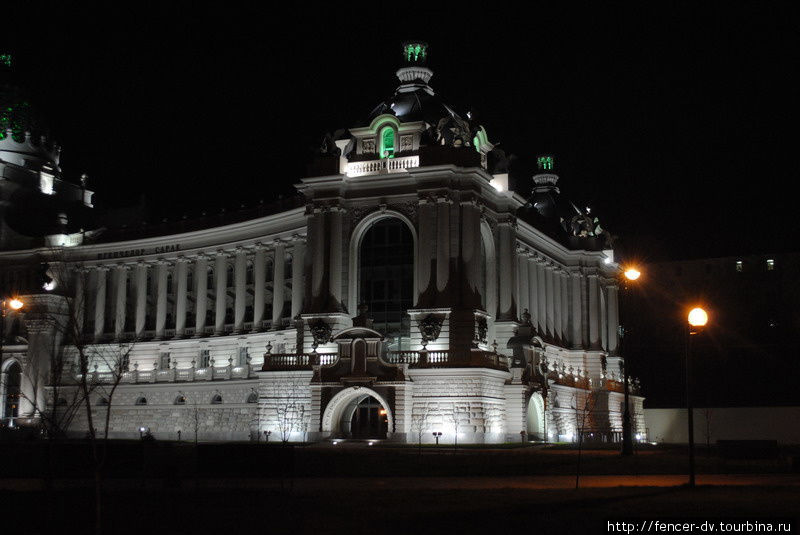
{"type": "Point", "coordinates": [229, 277]}
{"type": "Point", "coordinates": [141, 401]}
{"type": "Point", "coordinates": [252, 398]}
{"type": "Point", "coordinates": [163, 361]}
{"type": "Point", "coordinates": [102, 402]}
{"type": "Point", "coordinates": [180, 400]}
{"type": "Point", "coordinates": [770, 264]}
{"type": "Point", "coordinates": [287, 271]}
{"type": "Point", "coordinates": [739, 266]}
{"type": "Point", "coordinates": [387, 142]}
{"type": "Point", "coordinates": [216, 400]}
{"type": "Point", "coordinates": [269, 271]}
{"type": "Point", "coordinates": [249, 273]}
{"type": "Point", "coordinates": [189, 282]}
{"type": "Point", "coordinates": [205, 358]}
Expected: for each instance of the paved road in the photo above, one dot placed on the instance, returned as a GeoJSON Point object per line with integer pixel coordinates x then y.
{"type": "Point", "coordinates": [313, 485]}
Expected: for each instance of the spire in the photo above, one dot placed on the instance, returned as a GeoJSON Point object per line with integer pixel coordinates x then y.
{"type": "Point", "coordinates": [415, 56]}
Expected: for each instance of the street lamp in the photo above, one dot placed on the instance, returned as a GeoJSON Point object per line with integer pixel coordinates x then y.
{"type": "Point", "coordinates": [437, 435]}
{"type": "Point", "coordinates": [631, 274]}
{"type": "Point", "coordinates": [697, 319]}
{"type": "Point", "coordinates": [5, 303]}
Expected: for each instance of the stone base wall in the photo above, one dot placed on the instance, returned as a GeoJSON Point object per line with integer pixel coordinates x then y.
{"type": "Point", "coordinates": [163, 415]}
{"type": "Point", "coordinates": [470, 402]}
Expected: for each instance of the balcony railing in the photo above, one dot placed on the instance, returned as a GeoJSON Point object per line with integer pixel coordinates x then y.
{"type": "Point", "coordinates": [172, 375]}
{"type": "Point", "coordinates": [385, 165]}
{"type": "Point", "coordinates": [297, 361]}
{"type": "Point", "coordinates": [446, 359]}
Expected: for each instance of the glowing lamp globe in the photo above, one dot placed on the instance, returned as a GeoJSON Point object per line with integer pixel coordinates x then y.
{"type": "Point", "coordinates": [698, 317]}
{"type": "Point", "coordinates": [632, 274]}
{"type": "Point", "coordinates": [15, 304]}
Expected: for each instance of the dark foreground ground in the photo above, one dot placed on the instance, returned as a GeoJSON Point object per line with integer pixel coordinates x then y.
{"type": "Point", "coordinates": [163, 488]}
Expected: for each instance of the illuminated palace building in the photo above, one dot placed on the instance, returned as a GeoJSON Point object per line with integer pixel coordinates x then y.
{"type": "Point", "coordinates": [407, 292]}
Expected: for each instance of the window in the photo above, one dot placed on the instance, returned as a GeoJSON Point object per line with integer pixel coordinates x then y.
{"type": "Point", "coordinates": [189, 282]}
{"type": "Point", "coordinates": [249, 273]}
{"type": "Point", "coordinates": [169, 283]}
{"type": "Point", "coordinates": [252, 398]}
{"type": "Point", "coordinates": [269, 271]}
{"type": "Point", "coordinates": [386, 270]}
{"type": "Point", "coordinates": [739, 266]}
{"type": "Point", "coordinates": [180, 400]}
{"type": "Point", "coordinates": [387, 142]}
{"type": "Point", "coordinates": [770, 264]}
{"type": "Point", "coordinates": [163, 361]}
{"type": "Point", "coordinates": [229, 277]}
{"type": "Point", "coordinates": [243, 354]}
{"type": "Point", "coordinates": [102, 402]}
{"type": "Point", "coordinates": [205, 358]}
{"type": "Point", "coordinates": [141, 401]}
{"type": "Point", "coordinates": [216, 400]}
{"type": "Point", "coordinates": [287, 271]}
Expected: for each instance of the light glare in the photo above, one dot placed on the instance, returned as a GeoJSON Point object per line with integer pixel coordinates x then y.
{"type": "Point", "coordinates": [698, 317]}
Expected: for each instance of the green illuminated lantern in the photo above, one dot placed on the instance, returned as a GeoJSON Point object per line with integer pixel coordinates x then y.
{"type": "Point", "coordinates": [545, 163]}
{"type": "Point", "coordinates": [5, 59]}
{"type": "Point", "coordinates": [415, 52]}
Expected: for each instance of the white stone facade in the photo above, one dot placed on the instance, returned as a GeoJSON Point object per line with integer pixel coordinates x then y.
{"type": "Point", "coordinates": [509, 329]}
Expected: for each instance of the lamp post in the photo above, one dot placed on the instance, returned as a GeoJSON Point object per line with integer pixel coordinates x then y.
{"type": "Point", "coordinates": [697, 320]}
{"type": "Point", "coordinates": [14, 304]}
{"type": "Point", "coordinates": [630, 275]}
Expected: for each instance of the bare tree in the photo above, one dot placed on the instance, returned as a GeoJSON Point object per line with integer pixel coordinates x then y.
{"type": "Point", "coordinates": [77, 369]}
{"type": "Point", "coordinates": [582, 410]}
{"type": "Point", "coordinates": [420, 422]}
{"type": "Point", "coordinates": [290, 410]}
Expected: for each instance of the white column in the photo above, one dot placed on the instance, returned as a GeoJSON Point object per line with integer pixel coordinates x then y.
{"type": "Point", "coordinates": [259, 276]}
{"type": "Point", "coordinates": [541, 284]}
{"type": "Point", "coordinates": [240, 285]}
{"type": "Point", "coordinates": [594, 316]}
{"type": "Point", "coordinates": [297, 276]}
{"type": "Point", "coordinates": [335, 274]}
{"type": "Point", "coordinates": [161, 298]}
{"type": "Point", "coordinates": [523, 279]}
{"type": "Point", "coordinates": [221, 290]}
{"type": "Point", "coordinates": [557, 333]}
{"type": "Point", "coordinates": [121, 273]}
{"type": "Point", "coordinates": [426, 248]}
{"type": "Point", "coordinates": [141, 297]}
{"type": "Point", "coordinates": [279, 283]}
{"type": "Point", "coordinates": [181, 270]}
{"type": "Point", "coordinates": [533, 291]}
{"type": "Point", "coordinates": [200, 294]}
{"type": "Point", "coordinates": [316, 224]}
{"type": "Point", "coordinates": [506, 262]}
{"type": "Point", "coordinates": [442, 242]}
{"type": "Point", "coordinates": [603, 317]}
{"type": "Point", "coordinates": [79, 299]}
{"type": "Point", "coordinates": [565, 331]}
{"type": "Point", "coordinates": [550, 304]}
{"type": "Point", "coordinates": [613, 318]}
{"type": "Point", "coordinates": [100, 302]}
{"type": "Point", "coordinates": [577, 312]}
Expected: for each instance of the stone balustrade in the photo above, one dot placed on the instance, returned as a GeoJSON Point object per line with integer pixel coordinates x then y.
{"type": "Point", "coordinates": [173, 375]}
{"type": "Point", "coordinates": [385, 165]}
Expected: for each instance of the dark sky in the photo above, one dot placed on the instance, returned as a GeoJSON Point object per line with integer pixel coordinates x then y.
{"type": "Point", "coordinates": [677, 126]}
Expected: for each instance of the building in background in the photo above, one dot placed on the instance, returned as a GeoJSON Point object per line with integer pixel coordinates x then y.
{"type": "Point", "coordinates": [405, 291]}
{"type": "Point", "coordinates": [754, 308]}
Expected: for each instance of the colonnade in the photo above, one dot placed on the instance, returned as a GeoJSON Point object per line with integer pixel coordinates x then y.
{"type": "Point", "coordinates": [247, 289]}
{"type": "Point", "coordinates": [573, 306]}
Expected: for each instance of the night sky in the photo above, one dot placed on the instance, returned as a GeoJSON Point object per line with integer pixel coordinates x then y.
{"type": "Point", "coordinates": [677, 126]}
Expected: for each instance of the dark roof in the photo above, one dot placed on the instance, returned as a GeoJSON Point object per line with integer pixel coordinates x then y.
{"type": "Point", "coordinates": [417, 105]}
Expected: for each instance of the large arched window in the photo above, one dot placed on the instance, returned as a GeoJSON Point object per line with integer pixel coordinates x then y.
{"type": "Point", "coordinates": [386, 274]}
{"type": "Point", "coordinates": [11, 390]}
{"type": "Point", "coordinates": [387, 142]}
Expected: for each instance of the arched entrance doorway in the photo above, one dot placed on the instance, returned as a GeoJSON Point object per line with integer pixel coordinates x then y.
{"type": "Point", "coordinates": [535, 417]}
{"type": "Point", "coordinates": [364, 418]}
{"type": "Point", "coordinates": [358, 412]}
